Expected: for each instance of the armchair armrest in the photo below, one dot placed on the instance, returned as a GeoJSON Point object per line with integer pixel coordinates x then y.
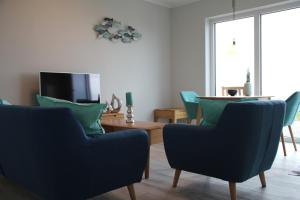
{"type": "Point", "coordinates": [191, 147]}
{"type": "Point", "coordinates": [117, 159]}
{"type": "Point", "coordinates": [201, 150]}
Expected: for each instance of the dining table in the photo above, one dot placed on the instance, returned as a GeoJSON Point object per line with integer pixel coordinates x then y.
{"type": "Point", "coordinates": [235, 98]}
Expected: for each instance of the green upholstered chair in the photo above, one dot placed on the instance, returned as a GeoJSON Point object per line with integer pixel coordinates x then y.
{"type": "Point", "coordinates": [292, 106]}
{"type": "Point", "coordinates": [190, 102]}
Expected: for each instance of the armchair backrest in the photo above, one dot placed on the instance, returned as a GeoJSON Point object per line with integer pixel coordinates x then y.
{"type": "Point", "coordinates": [292, 106]}
{"type": "Point", "coordinates": [190, 102]}
{"type": "Point", "coordinates": [40, 147]}
{"type": "Point", "coordinates": [251, 132]}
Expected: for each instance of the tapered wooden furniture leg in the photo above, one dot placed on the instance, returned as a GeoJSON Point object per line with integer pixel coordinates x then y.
{"type": "Point", "coordinates": [262, 179]}
{"type": "Point", "coordinates": [176, 178]}
{"type": "Point", "coordinates": [131, 192]}
{"type": "Point", "coordinates": [232, 189]}
{"type": "Point", "coordinates": [292, 136]}
{"type": "Point", "coordinates": [283, 144]}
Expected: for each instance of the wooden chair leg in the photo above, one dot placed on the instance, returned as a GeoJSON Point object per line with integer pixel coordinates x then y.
{"type": "Point", "coordinates": [292, 136]}
{"type": "Point", "coordinates": [283, 144]}
{"type": "Point", "coordinates": [131, 192]}
{"type": "Point", "coordinates": [262, 179]}
{"type": "Point", "coordinates": [176, 178]}
{"type": "Point", "coordinates": [232, 189]}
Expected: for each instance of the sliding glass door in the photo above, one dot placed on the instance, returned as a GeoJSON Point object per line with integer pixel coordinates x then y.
{"type": "Point", "coordinates": [281, 56]}
{"type": "Point", "coordinates": [281, 53]}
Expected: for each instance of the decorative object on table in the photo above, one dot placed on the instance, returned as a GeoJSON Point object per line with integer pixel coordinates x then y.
{"type": "Point", "coordinates": [239, 89]}
{"type": "Point", "coordinates": [109, 108]}
{"type": "Point", "coordinates": [232, 92]}
{"type": "Point", "coordinates": [115, 108]}
{"type": "Point", "coordinates": [129, 104]}
{"type": "Point", "coordinates": [113, 30]}
{"type": "Point", "coordinates": [247, 85]}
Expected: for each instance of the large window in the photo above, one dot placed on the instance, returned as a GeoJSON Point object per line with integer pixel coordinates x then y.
{"type": "Point", "coordinates": [267, 43]}
{"type": "Point", "coordinates": [281, 53]}
{"type": "Point", "coordinates": [233, 64]}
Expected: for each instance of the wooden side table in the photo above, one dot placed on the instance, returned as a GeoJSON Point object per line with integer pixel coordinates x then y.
{"type": "Point", "coordinates": [154, 130]}
{"type": "Point", "coordinates": [173, 114]}
{"type": "Point", "coordinates": [112, 116]}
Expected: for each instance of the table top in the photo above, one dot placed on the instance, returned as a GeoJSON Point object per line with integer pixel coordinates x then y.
{"type": "Point", "coordinates": [121, 123]}
{"type": "Point", "coordinates": [170, 109]}
{"type": "Point", "coordinates": [235, 97]}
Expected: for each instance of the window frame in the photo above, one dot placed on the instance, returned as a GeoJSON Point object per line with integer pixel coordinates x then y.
{"type": "Point", "coordinates": [210, 45]}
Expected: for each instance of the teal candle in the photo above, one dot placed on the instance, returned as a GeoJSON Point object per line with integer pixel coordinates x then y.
{"type": "Point", "coordinates": [129, 101]}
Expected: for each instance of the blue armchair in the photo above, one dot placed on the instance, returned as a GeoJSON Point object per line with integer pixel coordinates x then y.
{"type": "Point", "coordinates": [242, 145]}
{"type": "Point", "coordinates": [45, 151]}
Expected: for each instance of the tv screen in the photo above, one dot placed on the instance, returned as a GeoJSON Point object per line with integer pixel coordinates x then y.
{"type": "Point", "coordinates": [79, 88]}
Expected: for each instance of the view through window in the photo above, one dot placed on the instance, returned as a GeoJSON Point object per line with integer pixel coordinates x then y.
{"type": "Point", "coordinates": [276, 36]}
{"type": "Point", "coordinates": [281, 56]}
{"type": "Point", "coordinates": [232, 65]}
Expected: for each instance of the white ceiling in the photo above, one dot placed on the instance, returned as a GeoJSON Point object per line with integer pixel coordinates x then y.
{"type": "Point", "coordinates": [172, 3]}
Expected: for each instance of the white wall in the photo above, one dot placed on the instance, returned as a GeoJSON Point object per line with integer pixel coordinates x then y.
{"type": "Point", "coordinates": [188, 41]}
{"type": "Point", "coordinates": [57, 35]}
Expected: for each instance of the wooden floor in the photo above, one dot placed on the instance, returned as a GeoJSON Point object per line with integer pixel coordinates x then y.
{"type": "Point", "coordinates": [281, 183]}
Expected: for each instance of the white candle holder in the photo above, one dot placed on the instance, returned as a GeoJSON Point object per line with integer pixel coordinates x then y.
{"type": "Point", "coordinates": [129, 115]}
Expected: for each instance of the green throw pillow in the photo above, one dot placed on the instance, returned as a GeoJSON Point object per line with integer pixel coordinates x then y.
{"type": "Point", "coordinates": [87, 114]}
{"type": "Point", "coordinates": [213, 109]}
{"type": "Point", "coordinates": [4, 102]}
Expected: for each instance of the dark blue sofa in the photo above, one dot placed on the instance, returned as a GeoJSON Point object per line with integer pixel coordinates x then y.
{"type": "Point", "coordinates": [242, 145]}
{"type": "Point", "coordinates": [45, 151]}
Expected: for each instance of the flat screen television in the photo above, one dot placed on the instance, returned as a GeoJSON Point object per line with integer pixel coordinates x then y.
{"type": "Point", "coordinates": [75, 87]}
